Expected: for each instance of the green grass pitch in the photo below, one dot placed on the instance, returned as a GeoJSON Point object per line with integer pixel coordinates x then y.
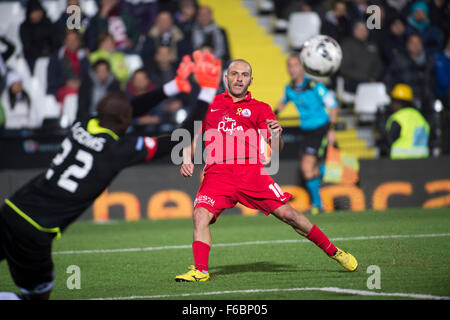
{"type": "Point", "coordinates": [411, 247]}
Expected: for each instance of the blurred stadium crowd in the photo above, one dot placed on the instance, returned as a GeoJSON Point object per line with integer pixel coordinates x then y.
{"type": "Point", "coordinates": [51, 72]}
{"type": "Point", "coordinates": [130, 46]}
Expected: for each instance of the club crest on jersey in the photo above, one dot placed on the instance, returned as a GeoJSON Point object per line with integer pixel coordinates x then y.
{"type": "Point", "coordinates": [246, 113]}
{"type": "Point", "coordinates": [229, 126]}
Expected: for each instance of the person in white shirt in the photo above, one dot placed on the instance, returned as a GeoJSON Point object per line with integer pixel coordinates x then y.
{"type": "Point", "coordinates": [17, 105]}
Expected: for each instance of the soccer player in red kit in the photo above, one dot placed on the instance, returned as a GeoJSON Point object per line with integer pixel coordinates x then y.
{"type": "Point", "coordinates": [234, 172]}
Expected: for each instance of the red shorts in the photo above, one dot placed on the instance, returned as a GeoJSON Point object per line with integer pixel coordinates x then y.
{"type": "Point", "coordinates": [224, 185]}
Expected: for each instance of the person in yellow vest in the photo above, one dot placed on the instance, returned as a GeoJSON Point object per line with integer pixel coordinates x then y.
{"type": "Point", "coordinates": [407, 131]}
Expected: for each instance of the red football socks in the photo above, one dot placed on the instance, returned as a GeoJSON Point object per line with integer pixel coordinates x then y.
{"type": "Point", "coordinates": [321, 240]}
{"type": "Point", "coordinates": [201, 255]}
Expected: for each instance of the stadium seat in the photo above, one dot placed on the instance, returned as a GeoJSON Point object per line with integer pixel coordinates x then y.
{"type": "Point", "coordinates": [54, 8]}
{"type": "Point", "coordinates": [52, 108]}
{"type": "Point", "coordinates": [19, 64]}
{"type": "Point", "coordinates": [89, 7]}
{"type": "Point", "coordinates": [11, 12]}
{"type": "Point", "coordinates": [69, 110]}
{"type": "Point", "coordinates": [133, 62]}
{"type": "Point", "coordinates": [40, 72]}
{"type": "Point", "coordinates": [302, 26]}
{"type": "Point", "coordinates": [369, 98]}
{"type": "Point", "coordinates": [265, 6]}
{"type": "Point", "coordinates": [343, 96]}
{"type": "Point", "coordinates": [279, 25]}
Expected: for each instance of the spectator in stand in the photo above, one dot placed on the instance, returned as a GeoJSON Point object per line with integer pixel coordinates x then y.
{"type": "Point", "coordinates": [162, 67]}
{"type": "Point", "coordinates": [161, 70]}
{"type": "Point", "coordinates": [440, 15]}
{"type": "Point", "coordinates": [139, 84]}
{"type": "Point", "coordinates": [165, 33]}
{"type": "Point", "coordinates": [144, 12]}
{"type": "Point", "coordinates": [443, 91]}
{"type": "Point", "coordinates": [357, 10]}
{"type": "Point", "coordinates": [185, 18]}
{"type": "Point", "coordinates": [419, 23]}
{"type": "Point", "coordinates": [415, 69]}
{"type": "Point", "coordinates": [107, 51]}
{"type": "Point", "coordinates": [361, 60]}
{"type": "Point", "coordinates": [37, 33]}
{"type": "Point", "coordinates": [336, 23]}
{"type": "Point", "coordinates": [379, 34]}
{"type": "Point", "coordinates": [443, 73]}
{"type": "Point", "coordinates": [20, 113]}
{"type": "Point", "coordinates": [115, 21]}
{"type": "Point", "coordinates": [66, 67]}
{"type": "Point", "coordinates": [95, 85]}
{"type": "Point", "coordinates": [395, 42]}
{"type": "Point", "coordinates": [61, 23]}
{"type": "Point", "coordinates": [4, 56]}
{"type": "Point", "coordinates": [207, 33]}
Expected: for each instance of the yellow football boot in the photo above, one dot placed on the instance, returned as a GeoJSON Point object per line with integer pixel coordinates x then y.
{"type": "Point", "coordinates": [345, 259]}
{"type": "Point", "coordinates": [193, 275]}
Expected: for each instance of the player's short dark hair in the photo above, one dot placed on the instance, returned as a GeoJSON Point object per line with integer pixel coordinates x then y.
{"type": "Point", "coordinates": [111, 106]}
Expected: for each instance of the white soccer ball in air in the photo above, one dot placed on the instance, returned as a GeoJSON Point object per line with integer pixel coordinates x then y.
{"type": "Point", "coordinates": [321, 56]}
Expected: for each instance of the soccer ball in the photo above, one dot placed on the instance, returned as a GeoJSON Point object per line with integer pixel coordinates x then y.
{"type": "Point", "coordinates": [321, 56]}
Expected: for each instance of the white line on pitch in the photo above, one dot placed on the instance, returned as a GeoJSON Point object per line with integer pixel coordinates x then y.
{"type": "Point", "coordinates": [323, 289]}
{"type": "Point", "coordinates": [247, 243]}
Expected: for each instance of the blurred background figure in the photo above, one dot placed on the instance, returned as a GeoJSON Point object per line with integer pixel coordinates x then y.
{"type": "Point", "coordinates": [19, 110]}
{"type": "Point", "coordinates": [419, 23]}
{"type": "Point", "coordinates": [207, 33]}
{"type": "Point", "coordinates": [95, 85]}
{"type": "Point", "coordinates": [140, 83]}
{"type": "Point", "coordinates": [165, 33]}
{"type": "Point", "coordinates": [368, 66]}
{"type": "Point", "coordinates": [443, 92]}
{"type": "Point", "coordinates": [67, 66]}
{"type": "Point", "coordinates": [395, 41]}
{"type": "Point", "coordinates": [143, 12]}
{"type": "Point", "coordinates": [185, 17]}
{"type": "Point", "coordinates": [61, 23]}
{"type": "Point", "coordinates": [415, 69]}
{"type": "Point", "coordinates": [317, 109]}
{"type": "Point", "coordinates": [162, 67]}
{"type": "Point", "coordinates": [336, 23]}
{"type": "Point", "coordinates": [4, 56]}
{"type": "Point", "coordinates": [37, 34]}
{"type": "Point", "coordinates": [107, 51]}
{"type": "Point", "coordinates": [407, 131]}
{"type": "Point", "coordinates": [115, 21]}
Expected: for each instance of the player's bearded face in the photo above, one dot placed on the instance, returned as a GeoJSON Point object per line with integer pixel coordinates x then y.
{"type": "Point", "coordinates": [238, 79]}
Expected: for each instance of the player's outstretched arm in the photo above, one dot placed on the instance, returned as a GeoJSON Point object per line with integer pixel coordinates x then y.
{"type": "Point", "coordinates": [143, 103]}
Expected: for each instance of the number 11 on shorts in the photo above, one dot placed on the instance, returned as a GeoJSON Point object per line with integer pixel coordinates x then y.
{"type": "Point", "coordinates": [276, 189]}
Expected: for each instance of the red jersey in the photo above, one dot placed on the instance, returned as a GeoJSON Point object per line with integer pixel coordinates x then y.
{"type": "Point", "coordinates": [234, 132]}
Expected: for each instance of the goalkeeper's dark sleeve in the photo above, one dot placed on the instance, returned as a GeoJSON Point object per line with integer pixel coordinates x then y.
{"type": "Point", "coordinates": [165, 144]}
{"type": "Point", "coordinates": [144, 102]}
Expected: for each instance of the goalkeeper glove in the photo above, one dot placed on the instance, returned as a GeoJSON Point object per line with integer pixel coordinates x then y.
{"type": "Point", "coordinates": [184, 70]}
{"type": "Point", "coordinates": [207, 69]}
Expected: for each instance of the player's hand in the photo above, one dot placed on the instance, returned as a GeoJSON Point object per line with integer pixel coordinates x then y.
{"type": "Point", "coordinates": [274, 127]}
{"type": "Point", "coordinates": [208, 69]}
{"type": "Point", "coordinates": [185, 68]}
{"type": "Point", "coordinates": [331, 137]}
{"type": "Point", "coordinates": [187, 170]}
